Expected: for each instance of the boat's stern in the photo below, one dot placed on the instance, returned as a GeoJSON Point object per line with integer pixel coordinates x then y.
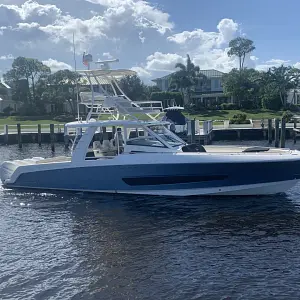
{"type": "Point", "coordinates": [7, 168]}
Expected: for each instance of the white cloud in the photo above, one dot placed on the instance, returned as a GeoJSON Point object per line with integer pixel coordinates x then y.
{"type": "Point", "coordinates": [55, 65]}
{"type": "Point", "coordinates": [206, 49]}
{"type": "Point", "coordinates": [227, 29]}
{"type": "Point", "coordinates": [142, 12]}
{"type": "Point", "coordinates": [297, 65]}
{"type": "Point", "coordinates": [254, 58]}
{"type": "Point", "coordinates": [28, 26]}
{"type": "Point", "coordinates": [141, 37]}
{"type": "Point", "coordinates": [143, 73]}
{"type": "Point", "coordinates": [163, 61]}
{"type": "Point", "coordinates": [108, 55]}
{"type": "Point", "coordinates": [32, 8]}
{"type": "Point", "coordinates": [84, 30]}
{"type": "Point", "coordinates": [272, 63]}
{"type": "Point", "coordinates": [7, 57]}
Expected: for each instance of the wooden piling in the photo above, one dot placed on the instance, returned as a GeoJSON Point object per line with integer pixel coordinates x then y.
{"type": "Point", "coordinates": [270, 129]}
{"type": "Point", "coordinates": [19, 136]}
{"type": "Point", "coordinates": [282, 136]}
{"type": "Point", "coordinates": [6, 134]}
{"type": "Point", "coordinates": [294, 131]}
{"type": "Point", "coordinates": [193, 130]}
{"type": "Point", "coordinates": [66, 138]}
{"type": "Point", "coordinates": [276, 133]}
{"type": "Point", "coordinates": [52, 137]}
{"type": "Point", "coordinates": [39, 137]}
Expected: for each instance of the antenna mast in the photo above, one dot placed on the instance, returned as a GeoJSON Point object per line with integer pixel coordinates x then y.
{"type": "Point", "coordinates": [75, 66]}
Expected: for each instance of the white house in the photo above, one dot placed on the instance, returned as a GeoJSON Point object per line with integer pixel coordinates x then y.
{"type": "Point", "coordinates": [293, 96]}
{"type": "Point", "coordinates": [209, 93]}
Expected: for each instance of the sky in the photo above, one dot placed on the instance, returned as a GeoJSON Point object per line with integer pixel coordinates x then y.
{"type": "Point", "coordinates": [149, 37]}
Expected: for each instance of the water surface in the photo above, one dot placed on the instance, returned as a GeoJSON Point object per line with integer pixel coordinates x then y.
{"type": "Point", "coordinates": [87, 246]}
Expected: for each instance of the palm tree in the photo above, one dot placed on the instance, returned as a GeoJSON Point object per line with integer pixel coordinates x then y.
{"type": "Point", "coordinates": [186, 78]}
{"type": "Point", "coordinates": [284, 78]}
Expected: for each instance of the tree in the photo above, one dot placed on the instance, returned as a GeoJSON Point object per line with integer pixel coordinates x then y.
{"type": "Point", "coordinates": [243, 86]}
{"type": "Point", "coordinates": [186, 78]}
{"type": "Point", "coordinates": [28, 69]}
{"type": "Point", "coordinates": [282, 78]}
{"type": "Point", "coordinates": [59, 88]}
{"type": "Point", "coordinates": [240, 47]}
{"type": "Point", "coordinates": [167, 98]}
{"type": "Point", "coordinates": [133, 87]}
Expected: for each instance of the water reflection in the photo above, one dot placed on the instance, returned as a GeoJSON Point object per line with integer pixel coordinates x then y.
{"type": "Point", "coordinates": [89, 246]}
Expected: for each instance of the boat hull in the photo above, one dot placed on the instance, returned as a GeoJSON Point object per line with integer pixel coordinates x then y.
{"type": "Point", "coordinates": [170, 179]}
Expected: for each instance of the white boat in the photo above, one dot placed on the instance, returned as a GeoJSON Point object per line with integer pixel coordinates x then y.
{"type": "Point", "coordinates": [145, 157]}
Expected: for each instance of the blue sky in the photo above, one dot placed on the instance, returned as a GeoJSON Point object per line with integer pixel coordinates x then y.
{"type": "Point", "coordinates": [149, 36]}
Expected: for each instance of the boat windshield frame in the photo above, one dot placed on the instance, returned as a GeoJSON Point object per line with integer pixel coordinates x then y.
{"type": "Point", "coordinates": [167, 135]}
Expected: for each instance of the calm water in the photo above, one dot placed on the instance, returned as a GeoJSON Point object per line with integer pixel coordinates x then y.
{"type": "Point", "coordinates": [83, 246]}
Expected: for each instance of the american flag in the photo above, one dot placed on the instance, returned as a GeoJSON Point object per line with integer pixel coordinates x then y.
{"type": "Point", "coordinates": [84, 61]}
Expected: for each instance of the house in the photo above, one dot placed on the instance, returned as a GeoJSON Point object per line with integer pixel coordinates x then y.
{"type": "Point", "coordinates": [6, 98]}
{"type": "Point", "coordinates": [293, 96]}
{"type": "Point", "coordinates": [207, 93]}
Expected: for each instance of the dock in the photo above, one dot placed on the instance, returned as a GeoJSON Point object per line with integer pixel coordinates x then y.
{"type": "Point", "coordinates": [204, 132]}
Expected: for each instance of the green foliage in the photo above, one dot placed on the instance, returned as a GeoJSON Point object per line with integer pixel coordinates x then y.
{"type": "Point", "coordinates": [166, 97]}
{"type": "Point", "coordinates": [30, 70]}
{"type": "Point", "coordinates": [248, 104]}
{"type": "Point", "coordinates": [186, 78]}
{"type": "Point", "coordinates": [287, 115]}
{"type": "Point", "coordinates": [294, 108]}
{"type": "Point", "coordinates": [229, 106]}
{"type": "Point", "coordinates": [64, 118]}
{"type": "Point", "coordinates": [59, 88]}
{"type": "Point", "coordinates": [242, 85]}
{"type": "Point", "coordinates": [282, 79]}
{"type": "Point", "coordinates": [239, 119]}
{"type": "Point", "coordinates": [29, 109]}
{"type": "Point", "coordinates": [7, 110]}
{"type": "Point", "coordinates": [3, 90]}
{"type": "Point", "coordinates": [240, 47]}
{"type": "Point", "coordinates": [133, 87]}
{"type": "Point", "coordinates": [273, 103]}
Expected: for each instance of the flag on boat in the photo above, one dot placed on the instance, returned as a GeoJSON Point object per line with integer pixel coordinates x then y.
{"type": "Point", "coordinates": [84, 60]}
{"type": "Point", "coordinates": [87, 59]}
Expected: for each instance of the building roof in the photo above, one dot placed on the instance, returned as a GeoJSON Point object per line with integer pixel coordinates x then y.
{"type": "Point", "coordinates": [212, 73]}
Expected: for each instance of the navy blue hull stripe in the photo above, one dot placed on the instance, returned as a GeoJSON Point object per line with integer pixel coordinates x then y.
{"type": "Point", "coordinates": [160, 180]}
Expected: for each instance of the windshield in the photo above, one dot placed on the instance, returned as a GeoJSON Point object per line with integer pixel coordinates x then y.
{"type": "Point", "coordinates": [167, 135]}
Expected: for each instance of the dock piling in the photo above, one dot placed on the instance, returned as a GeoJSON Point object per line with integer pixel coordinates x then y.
{"type": "Point", "coordinates": [52, 137]}
{"type": "Point", "coordinates": [270, 129]}
{"type": "Point", "coordinates": [19, 137]}
{"type": "Point", "coordinates": [294, 131]}
{"type": "Point", "coordinates": [39, 138]}
{"type": "Point", "coordinates": [193, 130]}
{"type": "Point", "coordinates": [6, 134]}
{"type": "Point", "coordinates": [282, 136]}
{"type": "Point", "coordinates": [276, 133]}
{"type": "Point", "coordinates": [66, 138]}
